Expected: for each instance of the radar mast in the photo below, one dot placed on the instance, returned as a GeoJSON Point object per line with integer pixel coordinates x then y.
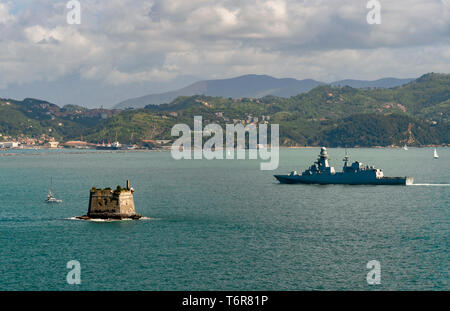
{"type": "Point", "coordinates": [346, 158]}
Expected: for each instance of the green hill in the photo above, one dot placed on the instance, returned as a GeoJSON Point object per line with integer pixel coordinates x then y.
{"type": "Point", "coordinates": [379, 130]}
{"type": "Point", "coordinates": [415, 113]}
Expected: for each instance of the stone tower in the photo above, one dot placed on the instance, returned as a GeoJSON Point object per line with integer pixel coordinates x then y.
{"type": "Point", "coordinates": [112, 204]}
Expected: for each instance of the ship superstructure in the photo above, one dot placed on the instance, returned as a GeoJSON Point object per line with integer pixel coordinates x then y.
{"type": "Point", "coordinates": [354, 174]}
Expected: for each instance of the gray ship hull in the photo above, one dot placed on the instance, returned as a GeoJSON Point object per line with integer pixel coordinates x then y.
{"type": "Point", "coordinates": [106, 148]}
{"type": "Point", "coordinates": [342, 179]}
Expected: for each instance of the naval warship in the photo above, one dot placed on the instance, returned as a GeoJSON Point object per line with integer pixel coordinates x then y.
{"type": "Point", "coordinates": [355, 174]}
{"type": "Point", "coordinates": [114, 146]}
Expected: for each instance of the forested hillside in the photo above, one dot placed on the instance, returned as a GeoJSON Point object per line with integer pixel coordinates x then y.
{"type": "Point", "coordinates": [415, 113]}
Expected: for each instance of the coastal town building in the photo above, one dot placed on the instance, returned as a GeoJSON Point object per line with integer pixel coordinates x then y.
{"type": "Point", "coordinates": [52, 144]}
{"type": "Point", "coordinates": [9, 144]}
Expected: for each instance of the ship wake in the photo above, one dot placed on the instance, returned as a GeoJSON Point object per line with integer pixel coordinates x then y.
{"type": "Point", "coordinates": [108, 220]}
{"type": "Point", "coordinates": [431, 185]}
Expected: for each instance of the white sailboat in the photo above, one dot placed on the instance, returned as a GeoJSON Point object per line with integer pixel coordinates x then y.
{"type": "Point", "coordinates": [436, 156]}
{"type": "Point", "coordinates": [50, 197]}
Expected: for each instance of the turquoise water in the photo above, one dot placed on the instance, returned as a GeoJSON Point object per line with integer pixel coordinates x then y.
{"type": "Point", "coordinates": [224, 225]}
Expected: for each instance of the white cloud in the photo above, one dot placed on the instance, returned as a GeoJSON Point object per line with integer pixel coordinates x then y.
{"type": "Point", "coordinates": [117, 77]}
{"type": "Point", "coordinates": [5, 17]}
{"type": "Point", "coordinates": [127, 41]}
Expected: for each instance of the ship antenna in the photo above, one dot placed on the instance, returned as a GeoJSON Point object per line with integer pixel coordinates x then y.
{"type": "Point", "coordinates": [346, 157]}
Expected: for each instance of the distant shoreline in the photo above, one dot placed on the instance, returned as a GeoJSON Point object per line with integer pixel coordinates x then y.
{"type": "Point", "coordinates": [369, 147]}
{"type": "Point", "coordinates": [43, 151]}
{"type": "Point", "coordinates": [88, 151]}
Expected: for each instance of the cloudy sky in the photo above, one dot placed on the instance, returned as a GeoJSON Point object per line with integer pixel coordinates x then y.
{"type": "Point", "coordinates": [129, 48]}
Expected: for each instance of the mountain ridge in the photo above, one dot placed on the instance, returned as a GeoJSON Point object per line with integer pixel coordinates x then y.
{"type": "Point", "coordinates": [416, 113]}
{"type": "Point", "coordinates": [252, 86]}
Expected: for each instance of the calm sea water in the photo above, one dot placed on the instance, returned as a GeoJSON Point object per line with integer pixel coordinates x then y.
{"type": "Point", "coordinates": [224, 225]}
